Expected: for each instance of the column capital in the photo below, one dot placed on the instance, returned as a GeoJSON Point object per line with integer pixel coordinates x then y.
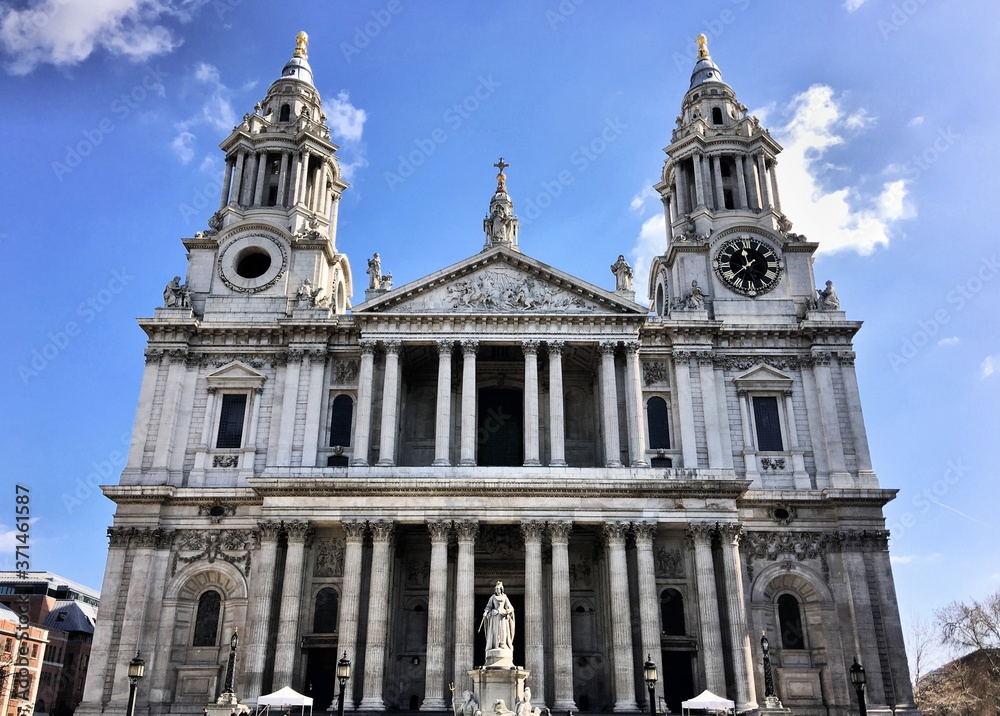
{"type": "Point", "coordinates": [354, 529]}
{"type": "Point", "coordinates": [392, 346]}
{"type": "Point", "coordinates": [614, 532]}
{"type": "Point", "coordinates": [700, 532]}
{"type": "Point", "coordinates": [367, 346]}
{"type": "Point", "coordinates": [445, 348]}
{"type": "Point", "coordinates": [529, 347]}
{"type": "Point", "coordinates": [631, 347]}
{"type": "Point", "coordinates": [559, 532]}
{"type": "Point", "coordinates": [381, 530]}
{"type": "Point", "coordinates": [643, 532]}
{"type": "Point", "coordinates": [555, 347]}
{"type": "Point", "coordinates": [532, 530]}
{"type": "Point", "coordinates": [439, 529]}
{"type": "Point", "coordinates": [467, 530]}
{"type": "Point", "coordinates": [470, 347]}
{"type": "Point", "coordinates": [607, 347]}
{"type": "Point", "coordinates": [269, 530]}
{"type": "Point", "coordinates": [298, 531]}
{"type": "Point", "coordinates": [731, 531]}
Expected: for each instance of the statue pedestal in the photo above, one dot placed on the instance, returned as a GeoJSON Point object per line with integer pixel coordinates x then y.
{"type": "Point", "coordinates": [773, 707]}
{"type": "Point", "coordinates": [492, 684]}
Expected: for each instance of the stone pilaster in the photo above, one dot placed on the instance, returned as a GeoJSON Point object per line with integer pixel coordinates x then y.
{"type": "Point", "coordinates": [700, 536]}
{"type": "Point", "coordinates": [557, 425]}
{"type": "Point", "coordinates": [100, 650]}
{"type": "Point", "coordinates": [464, 606]}
{"type": "Point", "coordinates": [682, 379]}
{"type": "Point", "coordinates": [649, 602]}
{"type": "Point", "coordinates": [739, 637]}
{"type": "Point", "coordinates": [442, 425]}
{"type": "Point", "coordinates": [350, 597]}
{"type": "Point", "coordinates": [437, 605]}
{"type": "Point", "coordinates": [289, 398]}
{"type": "Point", "coordinates": [633, 406]}
{"type": "Point", "coordinates": [609, 405]}
{"type": "Point", "coordinates": [468, 453]}
{"type": "Point", "coordinates": [314, 404]}
{"type": "Point", "coordinates": [534, 637]}
{"type": "Point", "coordinates": [829, 420]}
{"type": "Point", "coordinates": [363, 424]}
{"type": "Point", "coordinates": [562, 642]}
{"type": "Point", "coordinates": [621, 623]}
{"type": "Point", "coordinates": [378, 617]}
{"type": "Point", "coordinates": [530, 349]}
{"type": "Point", "coordinates": [291, 600]}
{"type": "Point", "coordinates": [259, 610]}
{"type": "Point", "coordinates": [142, 542]}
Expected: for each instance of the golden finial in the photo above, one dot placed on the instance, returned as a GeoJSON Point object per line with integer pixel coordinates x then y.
{"type": "Point", "coordinates": [501, 177]}
{"type": "Point", "coordinates": [301, 41]}
{"type": "Point", "coordinates": [702, 47]}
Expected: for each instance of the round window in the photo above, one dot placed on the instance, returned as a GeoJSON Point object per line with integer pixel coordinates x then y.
{"type": "Point", "coordinates": [253, 263]}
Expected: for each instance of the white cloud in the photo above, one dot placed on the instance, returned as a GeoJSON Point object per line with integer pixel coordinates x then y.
{"type": "Point", "coordinates": [66, 32]}
{"type": "Point", "coordinates": [987, 367]}
{"type": "Point", "coordinates": [182, 146]}
{"type": "Point", "coordinates": [841, 218]}
{"type": "Point", "coordinates": [347, 124]}
{"type": "Point", "coordinates": [852, 5]}
{"type": "Point", "coordinates": [651, 242]}
{"type": "Point", "coordinates": [215, 112]}
{"type": "Point", "coordinates": [916, 121]}
{"type": "Point", "coordinates": [901, 558]}
{"type": "Point", "coordinates": [950, 341]}
{"type": "Point", "coordinates": [639, 200]}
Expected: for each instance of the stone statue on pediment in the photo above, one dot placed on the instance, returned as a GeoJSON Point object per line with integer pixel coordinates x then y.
{"type": "Point", "coordinates": [176, 295]}
{"type": "Point", "coordinates": [826, 298]}
{"type": "Point", "coordinates": [623, 274]}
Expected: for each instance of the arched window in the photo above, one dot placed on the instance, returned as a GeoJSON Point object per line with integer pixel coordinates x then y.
{"type": "Point", "coordinates": [790, 623]}
{"type": "Point", "coordinates": [286, 111]}
{"type": "Point", "coordinates": [672, 613]}
{"type": "Point", "coordinates": [341, 416]}
{"type": "Point", "coordinates": [656, 417]}
{"type": "Point", "coordinates": [206, 621]}
{"type": "Point", "coordinates": [716, 115]}
{"type": "Point", "coordinates": [659, 299]}
{"type": "Point", "coordinates": [325, 614]}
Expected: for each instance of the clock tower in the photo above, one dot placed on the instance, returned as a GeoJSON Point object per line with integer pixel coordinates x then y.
{"type": "Point", "coordinates": [731, 254]}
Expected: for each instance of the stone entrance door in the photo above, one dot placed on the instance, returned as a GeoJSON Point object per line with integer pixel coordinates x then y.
{"type": "Point", "coordinates": [321, 677]}
{"type": "Point", "coordinates": [499, 434]}
{"type": "Point", "coordinates": [680, 686]}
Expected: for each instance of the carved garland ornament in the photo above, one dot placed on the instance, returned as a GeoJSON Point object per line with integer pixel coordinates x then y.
{"type": "Point", "coordinates": [216, 545]}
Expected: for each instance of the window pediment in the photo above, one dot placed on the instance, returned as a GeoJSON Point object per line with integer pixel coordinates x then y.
{"type": "Point", "coordinates": [763, 377]}
{"type": "Point", "coordinates": [235, 376]}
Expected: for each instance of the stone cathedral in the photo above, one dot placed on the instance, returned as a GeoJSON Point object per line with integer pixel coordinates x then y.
{"type": "Point", "coordinates": [669, 477]}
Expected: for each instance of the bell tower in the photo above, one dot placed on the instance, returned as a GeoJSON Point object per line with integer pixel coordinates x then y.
{"type": "Point", "coordinates": [274, 236]}
{"type": "Point", "coordinates": [730, 249]}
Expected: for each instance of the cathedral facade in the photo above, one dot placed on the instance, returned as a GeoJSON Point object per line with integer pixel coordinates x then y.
{"type": "Point", "coordinates": [669, 478]}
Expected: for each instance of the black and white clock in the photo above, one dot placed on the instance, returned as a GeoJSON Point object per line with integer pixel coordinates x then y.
{"type": "Point", "coordinates": [748, 265]}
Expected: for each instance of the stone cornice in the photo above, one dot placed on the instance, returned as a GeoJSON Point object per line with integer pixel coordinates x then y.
{"type": "Point", "coordinates": [178, 496]}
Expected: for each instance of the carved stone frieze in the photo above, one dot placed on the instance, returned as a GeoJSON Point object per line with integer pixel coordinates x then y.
{"type": "Point", "coordinates": [772, 463]}
{"type": "Point", "coordinates": [500, 289]}
{"type": "Point", "coordinates": [581, 574]}
{"type": "Point", "coordinates": [418, 573]}
{"type": "Point", "coordinates": [329, 557]}
{"type": "Point", "coordinates": [232, 546]}
{"type": "Point", "coordinates": [654, 372]}
{"type": "Point", "coordinates": [345, 371]}
{"type": "Point", "coordinates": [216, 512]}
{"type": "Point", "coordinates": [789, 545]}
{"type": "Point", "coordinates": [669, 563]}
{"type": "Point", "coordinates": [500, 541]}
{"type": "Point", "coordinates": [739, 363]}
{"type": "Point", "coordinates": [225, 460]}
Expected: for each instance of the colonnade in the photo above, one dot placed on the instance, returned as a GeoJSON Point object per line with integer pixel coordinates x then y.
{"type": "Point", "coordinates": [302, 179]}
{"type": "Point", "coordinates": [391, 390]}
{"type": "Point", "coordinates": [755, 187]}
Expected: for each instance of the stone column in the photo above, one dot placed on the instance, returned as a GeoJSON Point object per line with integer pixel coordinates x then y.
{"type": "Point", "coordinates": [699, 181]}
{"type": "Point", "coordinates": [700, 536]}
{"type": "Point", "coordinates": [465, 583]}
{"type": "Point", "coordinates": [680, 184]}
{"type": "Point", "coordinates": [291, 601]}
{"type": "Point", "coordinates": [562, 607]}
{"type": "Point", "coordinates": [258, 193]}
{"type": "Point", "coordinates": [248, 180]}
{"type": "Point", "coordinates": [751, 181]}
{"type": "Point", "coordinates": [157, 635]}
{"type": "Point", "coordinates": [293, 177]}
{"type": "Point", "coordinates": [682, 376]}
{"type": "Point", "coordinates": [530, 349]}
{"type": "Point", "coordinates": [557, 429]}
{"type": "Point", "coordinates": [774, 184]}
{"type": "Point", "coordinates": [720, 192]}
{"type": "Point", "coordinates": [282, 179]}
{"type": "Point", "coordinates": [468, 455]}
{"type": "Point", "coordinates": [227, 184]}
{"type": "Point", "coordinates": [799, 474]}
{"type": "Point", "coordinates": [649, 601]}
{"type": "Point", "coordinates": [437, 605]}
{"type": "Point", "coordinates": [741, 182]}
{"type": "Point", "coordinates": [668, 212]}
{"type": "Point", "coordinates": [301, 179]}
{"type": "Point", "coordinates": [259, 611]}
{"type": "Point", "coordinates": [442, 427]}
{"type": "Point", "coordinates": [234, 195]}
{"type": "Point", "coordinates": [749, 444]}
{"type": "Point", "coordinates": [739, 637]}
{"type": "Point", "coordinates": [633, 406]}
{"type": "Point", "coordinates": [765, 195]}
{"type": "Point", "coordinates": [363, 422]}
{"type": "Point", "coordinates": [390, 405]}
{"type": "Point", "coordinates": [378, 617]}
{"type": "Point", "coordinates": [609, 405]}
{"type": "Point", "coordinates": [350, 596]}
{"type": "Point", "coordinates": [534, 636]}
{"type": "Point", "coordinates": [621, 622]}
{"type": "Point", "coordinates": [100, 650]}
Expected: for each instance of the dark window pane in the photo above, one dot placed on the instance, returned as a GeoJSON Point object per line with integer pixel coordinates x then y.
{"type": "Point", "coordinates": [325, 615]}
{"type": "Point", "coordinates": [340, 421]}
{"type": "Point", "coordinates": [231, 422]}
{"type": "Point", "coordinates": [206, 623]}
{"type": "Point", "coordinates": [661, 462]}
{"type": "Point", "coordinates": [765, 413]}
{"type": "Point", "coordinates": [790, 622]}
{"type": "Point", "coordinates": [656, 415]}
{"type": "Point", "coordinates": [672, 613]}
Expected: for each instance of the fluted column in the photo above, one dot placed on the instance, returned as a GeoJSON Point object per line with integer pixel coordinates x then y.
{"type": "Point", "coordinates": [390, 405]}
{"type": "Point", "coordinates": [378, 617]}
{"type": "Point", "coordinates": [291, 599]}
{"type": "Point", "coordinates": [300, 188]}
{"type": "Point", "coordinates": [621, 623]}
{"type": "Point", "coordinates": [562, 642]}
{"type": "Point", "coordinates": [442, 426]}
{"type": "Point", "coordinates": [437, 604]}
{"type": "Point", "coordinates": [775, 197]}
{"type": "Point", "coordinates": [720, 192]}
{"type": "Point", "coordinates": [700, 536]}
{"type": "Point", "coordinates": [750, 179]}
{"type": "Point", "coordinates": [249, 179]}
{"type": "Point", "coordinates": [633, 406]}
{"type": "Point", "coordinates": [227, 183]}
{"type": "Point", "coordinates": [530, 349]}
{"type": "Point", "coordinates": [363, 423]}
{"type": "Point", "coordinates": [259, 610]}
{"type": "Point", "coordinates": [557, 424]}
{"type": "Point", "coordinates": [609, 405]}
{"type": "Point", "coordinates": [282, 180]}
{"type": "Point", "coordinates": [468, 453]}
{"type": "Point", "coordinates": [741, 183]}
{"type": "Point", "coordinates": [739, 637]}
{"type": "Point", "coordinates": [464, 597]}
{"type": "Point", "coordinates": [699, 181]}
{"type": "Point", "coordinates": [350, 596]}
{"type": "Point", "coordinates": [234, 194]}
{"type": "Point", "coordinates": [261, 173]}
{"type": "Point", "coordinates": [534, 637]}
{"type": "Point", "coordinates": [765, 194]}
{"type": "Point", "coordinates": [649, 602]}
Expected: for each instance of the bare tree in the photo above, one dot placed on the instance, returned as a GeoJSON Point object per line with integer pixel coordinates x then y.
{"type": "Point", "coordinates": [923, 645]}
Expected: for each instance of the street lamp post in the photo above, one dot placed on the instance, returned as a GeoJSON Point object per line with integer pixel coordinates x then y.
{"type": "Point", "coordinates": [136, 670]}
{"type": "Point", "coordinates": [859, 679]}
{"type": "Point", "coordinates": [343, 674]}
{"type": "Point", "coordinates": [649, 674]}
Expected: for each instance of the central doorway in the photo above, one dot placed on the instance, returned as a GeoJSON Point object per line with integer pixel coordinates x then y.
{"type": "Point", "coordinates": [499, 428]}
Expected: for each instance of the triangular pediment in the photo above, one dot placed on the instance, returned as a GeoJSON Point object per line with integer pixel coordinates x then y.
{"type": "Point", "coordinates": [500, 280]}
{"type": "Point", "coordinates": [763, 377]}
{"type": "Point", "coordinates": [236, 374]}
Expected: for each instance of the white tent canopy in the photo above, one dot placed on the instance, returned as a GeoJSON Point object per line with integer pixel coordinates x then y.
{"type": "Point", "coordinates": [708, 701]}
{"type": "Point", "coordinates": [285, 697]}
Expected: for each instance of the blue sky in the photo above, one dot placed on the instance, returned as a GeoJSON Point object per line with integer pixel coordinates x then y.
{"type": "Point", "coordinates": [115, 109]}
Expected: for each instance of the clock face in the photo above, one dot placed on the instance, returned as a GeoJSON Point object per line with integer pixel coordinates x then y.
{"type": "Point", "coordinates": [747, 265]}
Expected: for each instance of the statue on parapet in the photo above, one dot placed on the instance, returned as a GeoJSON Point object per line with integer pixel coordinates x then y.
{"type": "Point", "coordinates": [826, 298]}
{"type": "Point", "coordinates": [176, 295]}
{"type": "Point", "coordinates": [623, 274]}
